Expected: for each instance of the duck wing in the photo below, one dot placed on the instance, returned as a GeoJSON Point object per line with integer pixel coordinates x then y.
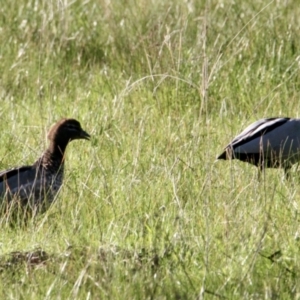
{"type": "Point", "coordinates": [257, 129]}
{"type": "Point", "coordinates": [13, 179]}
{"type": "Point", "coordinates": [253, 131]}
{"type": "Point", "coordinates": [8, 174]}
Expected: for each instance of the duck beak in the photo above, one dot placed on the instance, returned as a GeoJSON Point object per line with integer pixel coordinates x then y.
{"type": "Point", "coordinates": [84, 135]}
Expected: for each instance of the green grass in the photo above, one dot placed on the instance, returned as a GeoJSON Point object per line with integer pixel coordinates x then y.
{"type": "Point", "coordinates": [162, 86]}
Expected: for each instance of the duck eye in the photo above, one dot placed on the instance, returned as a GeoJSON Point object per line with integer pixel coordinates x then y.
{"type": "Point", "coordinates": [72, 127]}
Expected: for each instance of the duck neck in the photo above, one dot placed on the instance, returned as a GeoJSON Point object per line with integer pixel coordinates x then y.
{"type": "Point", "coordinates": [55, 153]}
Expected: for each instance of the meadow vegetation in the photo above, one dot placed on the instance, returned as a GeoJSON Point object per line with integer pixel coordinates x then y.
{"type": "Point", "coordinates": [162, 86]}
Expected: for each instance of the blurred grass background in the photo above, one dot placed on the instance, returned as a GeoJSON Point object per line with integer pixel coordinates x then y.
{"type": "Point", "coordinates": [162, 86]}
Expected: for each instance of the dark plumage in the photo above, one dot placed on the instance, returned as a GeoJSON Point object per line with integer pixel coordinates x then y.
{"type": "Point", "coordinates": [267, 143]}
{"type": "Point", "coordinates": [36, 186]}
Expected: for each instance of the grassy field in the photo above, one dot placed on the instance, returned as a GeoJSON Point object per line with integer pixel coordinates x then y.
{"type": "Point", "coordinates": [162, 86]}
